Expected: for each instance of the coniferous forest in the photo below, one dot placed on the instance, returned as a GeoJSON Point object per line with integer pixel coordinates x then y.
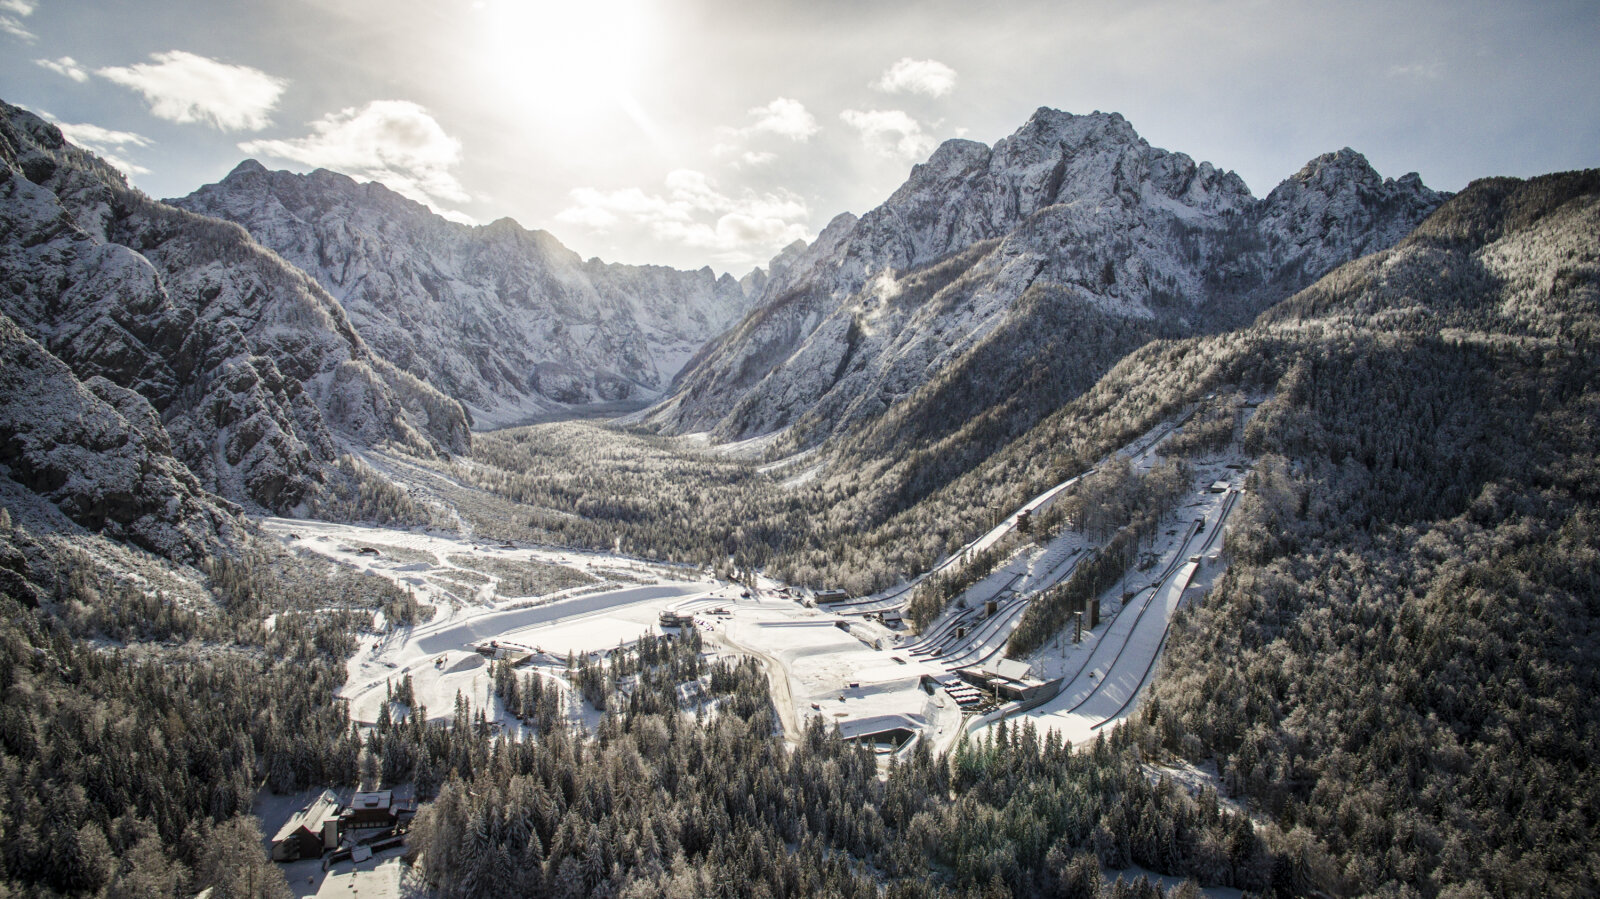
{"type": "Point", "coordinates": [1396, 680]}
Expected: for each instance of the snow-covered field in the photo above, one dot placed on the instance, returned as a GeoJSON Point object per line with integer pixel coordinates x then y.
{"type": "Point", "coordinates": [835, 663]}
{"type": "Point", "coordinates": [594, 615]}
{"type": "Point", "coordinates": [838, 674]}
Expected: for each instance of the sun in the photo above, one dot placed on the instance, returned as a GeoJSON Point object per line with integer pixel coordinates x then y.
{"type": "Point", "coordinates": [562, 57]}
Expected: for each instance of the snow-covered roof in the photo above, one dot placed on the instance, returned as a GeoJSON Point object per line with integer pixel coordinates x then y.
{"type": "Point", "coordinates": [875, 724]}
{"type": "Point", "coordinates": [373, 800]}
{"type": "Point", "coordinates": [311, 817]}
{"type": "Point", "coordinates": [1014, 669]}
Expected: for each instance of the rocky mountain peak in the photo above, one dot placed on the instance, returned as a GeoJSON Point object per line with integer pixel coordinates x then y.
{"type": "Point", "coordinates": [1338, 208]}
{"type": "Point", "coordinates": [951, 160]}
{"type": "Point", "coordinates": [1053, 127]}
{"type": "Point", "coordinates": [505, 319]}
{"type": "Point", "coordinates": [245, 168]}
{"type": "Point", "coordinates": [1077, 208]}
{"type": "Point", "coordinates": [1344, 166]}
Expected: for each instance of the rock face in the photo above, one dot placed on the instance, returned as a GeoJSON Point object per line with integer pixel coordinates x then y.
{"type": "Point", "coordinates": [98, 452]}
{"type": "Point", "coordinates": [1504, 257]}
{"type": "Point", "coordinates": [1016, 275]}
{"type": "Point", "coordinates": [254, 372]}
{"type": "Point", "coordinates": [508, 321]}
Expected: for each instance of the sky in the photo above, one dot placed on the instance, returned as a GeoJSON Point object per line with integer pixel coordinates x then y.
{"type": "Point", "coordinates": [716, 132]}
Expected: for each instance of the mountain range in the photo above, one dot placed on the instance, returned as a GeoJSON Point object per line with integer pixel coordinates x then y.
{"type": "Point", "coordinates": [1014, 275]}
{"type": "Point", "coordinates": [1388, 685]}
{"type": "Point", "coordinates": [507, 321]}
{"type": "Point", "coordinates": [226, 361]}
{"type": "Point", "coordinates": [273, 321]}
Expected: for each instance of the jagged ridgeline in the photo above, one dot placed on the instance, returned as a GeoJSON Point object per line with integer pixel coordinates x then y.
{"type": "Point", "coordinates": [1071, 222]}
{"type": "Point", "coordinates": [508, 321]}
{"type": "Point", "coordinates": [1413, 353]}
{"type": "Point", "coordinates": [251, 368]}
{"type": "Point", "coordinates": [995, 285]}
{"type": "Point", "coordinates": [999, 282]}
{"type": "Point", "coordinates": [1400, 668]}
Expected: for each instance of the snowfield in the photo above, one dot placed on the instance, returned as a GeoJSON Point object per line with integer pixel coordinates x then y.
{"type": "Point", "coordinates": [840, 662]}
{"type": "Point", "coordinates": [439, 655]}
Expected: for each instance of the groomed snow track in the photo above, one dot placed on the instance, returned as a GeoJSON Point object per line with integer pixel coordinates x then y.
{"type": "Point", "coordinates": [1153, 590]}
{"type": "Point", "coordinates": [1216, 534]}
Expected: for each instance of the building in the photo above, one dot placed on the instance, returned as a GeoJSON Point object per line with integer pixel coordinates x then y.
{"type": "Point", "coordinates": [500, 650]}
{"type": "Point", "coordinates": [370, 811]}
{"type": "Point", "coordinates": [890, 730]}
{"type": "Point", "coordinates": [826, 596]}
{"type": "Point", "coordinates": [1011, 681]}
{"type": "Point", "coordinates": [672, 618]}
{"type": "Point", "coordinates": [1032, 688]}
{"type": "Point", "coordinates": [309, 832]}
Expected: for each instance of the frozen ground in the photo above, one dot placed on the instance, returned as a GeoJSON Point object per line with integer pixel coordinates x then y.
{"type": "Point", "coordinates": [869, 671]}
{"type": "Point", "coordinates": [459, 572]}
{"type": "Point", "coordinates": [383, 876]}
{"type": "Point", "coordinates": [835, 663]}
{"type": "Point", "coordinates": [1108, 670]}
{"type": "Point", "coordinates": [1141, 453]}
{"type": "Point", "coordinates": [441, 659]}
{"type": "Point", "coordinates": [834, 673]}
{"type": "Point", "coordinates": [595, 615]}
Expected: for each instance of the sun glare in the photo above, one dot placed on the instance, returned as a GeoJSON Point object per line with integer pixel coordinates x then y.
{"type": "Point", "coordinates": [564, 58]}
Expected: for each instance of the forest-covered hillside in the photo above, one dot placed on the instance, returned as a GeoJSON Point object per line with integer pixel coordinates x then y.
{"type": "Point", "coordinates": [1396, 678]}
{"type": "Point", "coordinates": [1400, 664]}
{"type": "Point", "coordinates": [1403, 658]}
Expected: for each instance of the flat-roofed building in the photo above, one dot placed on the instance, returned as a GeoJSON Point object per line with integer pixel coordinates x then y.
{"type": "Point", "coordinates": [373, 810]}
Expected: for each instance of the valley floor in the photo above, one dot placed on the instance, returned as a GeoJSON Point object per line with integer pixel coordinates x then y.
{"type": "Point", "coordinates": [850, 663]}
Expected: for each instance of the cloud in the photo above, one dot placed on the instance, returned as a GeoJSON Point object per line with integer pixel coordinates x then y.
{"type": "Point", "coordinates": [782, 117]}
{"type": "Point", "coordinates": [66, 66]}
{"type": "Point", "coordinates": [917, 76]}
{"type": "Point", "coordinates": [693, 212]}
{"type": "Point", "coordinates": [785, 118]}
{"type": "Point", "coordinates": [394, 142]}
{"type": "Point", "coordinates": [106, 143]}
{"type": "Point", "coordinates": [12, 12]}
{"type": "Point", "coordinates": [183, 87]}
{"type": "Point", "coordinates": [891, 133]}
{"type": "Point", "coordinates": [740, 158]}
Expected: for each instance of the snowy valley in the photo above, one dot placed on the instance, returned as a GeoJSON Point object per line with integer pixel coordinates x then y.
{"type": "Point", "coordinates": [1072, 523]}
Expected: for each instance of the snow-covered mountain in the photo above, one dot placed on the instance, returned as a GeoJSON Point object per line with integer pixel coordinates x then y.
{"type": "Point", "coordinates": [506, 320]}
{"type": "Point", "coordinates": [1013, 276]}
{"type": "Point", "coordinates": [179, 339]}
{"type": "Point", "coordinates": [99, 454]}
